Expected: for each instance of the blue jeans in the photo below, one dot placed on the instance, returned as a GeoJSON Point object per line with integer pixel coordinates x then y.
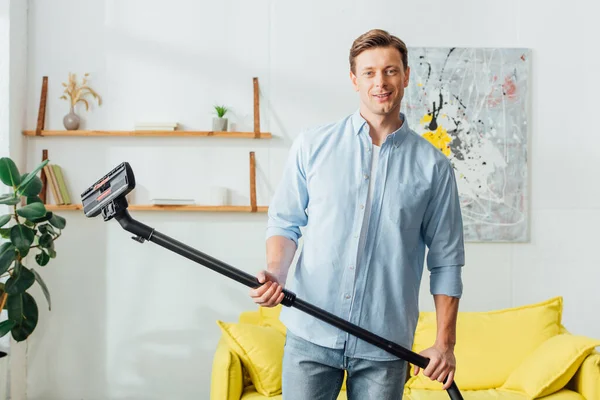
{"type": "Point", "coordinates": [312, 372]}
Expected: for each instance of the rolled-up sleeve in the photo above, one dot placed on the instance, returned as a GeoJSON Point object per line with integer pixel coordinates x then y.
{"type": "Point", "coordinates": [443, 232]}
{"type": "Point", "coordinates": [287, 211]}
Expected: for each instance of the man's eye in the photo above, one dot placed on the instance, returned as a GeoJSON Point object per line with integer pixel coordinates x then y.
{"type": "Point", "coordinates": [368, 73]}
{"type": "Point", "coordinates": [391, 71]}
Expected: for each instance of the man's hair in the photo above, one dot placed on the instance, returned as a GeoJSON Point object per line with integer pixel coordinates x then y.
{"type": "Point", "coordinates": [377, 38]}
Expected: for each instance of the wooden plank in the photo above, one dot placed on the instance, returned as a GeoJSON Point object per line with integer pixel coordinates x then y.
{"type": "Point", "coordinates": [253, 182]}
{"type": "Point", "coordinates": [44, 178]}
{"type": "Point", "coordinates": [151, 207]}
{"type": "Point", "coordinates": [91, 133]}
{"type": "Point", "coordinates": [41, 121]}
{"type": "Point", "coordinates": [256, 109]}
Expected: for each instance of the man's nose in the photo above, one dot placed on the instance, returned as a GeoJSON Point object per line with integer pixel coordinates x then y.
{"type": "Point", "coordinates": [379, 80]}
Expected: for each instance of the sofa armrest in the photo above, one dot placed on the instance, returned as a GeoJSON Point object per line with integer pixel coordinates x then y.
{"type": "Point", "coordinates": [586, 380]}
{"type": "Point", "coordinates": [227, 379]}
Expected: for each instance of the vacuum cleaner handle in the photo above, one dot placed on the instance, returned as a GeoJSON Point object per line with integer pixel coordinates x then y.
{"type": "Point", "coordinates": [107, 198]}
{"type": "Point", "coordinates": [144, 232]}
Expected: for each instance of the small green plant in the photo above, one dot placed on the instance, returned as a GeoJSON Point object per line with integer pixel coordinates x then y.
{"type": "Point", "coordinates": [221, 111]}
{"type": "Point", "coordinates": [31, 229]}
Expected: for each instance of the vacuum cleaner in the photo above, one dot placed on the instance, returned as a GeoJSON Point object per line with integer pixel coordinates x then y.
{"type": "Point", "coordinates": [106, 197]}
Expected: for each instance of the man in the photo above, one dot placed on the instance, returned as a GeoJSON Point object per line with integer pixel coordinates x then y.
{"type": "Point", "coordinates": [371, 195]}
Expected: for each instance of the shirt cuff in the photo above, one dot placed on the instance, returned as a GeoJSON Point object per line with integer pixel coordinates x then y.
{"type": "Point", "coordinates": [446, 280]}
{"type": "Point", "coordinates": [274, 231]}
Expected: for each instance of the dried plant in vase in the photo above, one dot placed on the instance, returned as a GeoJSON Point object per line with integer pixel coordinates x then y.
{"type": "Point", "coordinates": [75, 93]}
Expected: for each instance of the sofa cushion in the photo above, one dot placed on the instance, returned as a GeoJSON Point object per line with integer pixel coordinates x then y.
{"type": "Point", "coordinates": [261, 350]}
{"type": "Point", "coordinates": [269, 316]}
{"type": "Point", "coordinates": [490, 345]}
{"type": "Point", "coordinates": [551, 366]}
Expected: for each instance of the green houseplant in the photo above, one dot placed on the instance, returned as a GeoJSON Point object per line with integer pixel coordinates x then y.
{"type": "Point", "coordinates": [220, 122]}
{"type": "Point", "coordinates": [28, 229]}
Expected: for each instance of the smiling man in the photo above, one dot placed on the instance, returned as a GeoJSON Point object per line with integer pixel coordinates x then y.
{"type": "Point", "coordinates": [372, 197]}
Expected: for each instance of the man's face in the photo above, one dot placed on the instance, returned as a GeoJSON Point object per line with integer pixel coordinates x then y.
{"type": "Point", "coordinates": [380, 79]}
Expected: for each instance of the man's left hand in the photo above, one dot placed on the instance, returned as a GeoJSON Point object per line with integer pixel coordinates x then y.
{"type": "Point", "coordinates": [442, 364]}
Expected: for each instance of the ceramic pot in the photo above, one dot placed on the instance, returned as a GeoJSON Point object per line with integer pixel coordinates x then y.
{"type": "Point", "coordinates": [219, 124]}
{"type": "Point", "coordinates": [71, 120]}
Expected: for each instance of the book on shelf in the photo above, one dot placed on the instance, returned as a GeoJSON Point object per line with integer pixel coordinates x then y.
{"type": "Point", "coordinates": [156, 126]}
{"type": "Point", "coordinates": [172, 202]}
{"type": "Point", "coordinates": [55, 180]}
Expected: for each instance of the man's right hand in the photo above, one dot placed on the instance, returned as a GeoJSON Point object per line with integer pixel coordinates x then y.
{"type": "Point", "coordinates": [270, 293]}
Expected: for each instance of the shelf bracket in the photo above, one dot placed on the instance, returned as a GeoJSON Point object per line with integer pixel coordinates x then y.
{"type": "Point", "coordinates": [256, 109]}
{"type": "Point", "coordinates": [253, 182]}
{"type": "Point", "coordinates": [41, 121]}
{"type": "Point", "coordinates": [43, 177]}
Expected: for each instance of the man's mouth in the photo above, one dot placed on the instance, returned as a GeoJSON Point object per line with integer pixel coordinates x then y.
{"type": "Point", "coordinates": [382, 96]}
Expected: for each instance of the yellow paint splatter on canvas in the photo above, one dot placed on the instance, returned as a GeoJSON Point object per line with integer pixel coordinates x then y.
{"type": "Point", "coordinates": [439, 139]}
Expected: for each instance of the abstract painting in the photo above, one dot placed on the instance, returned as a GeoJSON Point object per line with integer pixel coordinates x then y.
{"type": "Point", "coordinates": [472, 104]}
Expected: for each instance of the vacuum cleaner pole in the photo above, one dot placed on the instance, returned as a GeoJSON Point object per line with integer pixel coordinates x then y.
{"type": "Point", "coordinates": [107, 197]}
{"type": "Point", "coordinates": [144, 232]}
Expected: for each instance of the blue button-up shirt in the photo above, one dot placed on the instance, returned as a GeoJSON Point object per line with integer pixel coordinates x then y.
{"type": "Point", "coordinates": [414, 206]}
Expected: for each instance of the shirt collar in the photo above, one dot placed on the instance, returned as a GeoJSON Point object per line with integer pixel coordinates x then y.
{"type": "Point", "coordinates": [359, 123]}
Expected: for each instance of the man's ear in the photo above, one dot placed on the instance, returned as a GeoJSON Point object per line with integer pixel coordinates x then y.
{"type": "Point", "coordinates": [354, 81]}
{"type": "Point", "coordinates": [406, 76]}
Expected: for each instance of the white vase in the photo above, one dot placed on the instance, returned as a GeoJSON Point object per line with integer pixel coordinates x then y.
{"type": "Point", "coordinates": [219, 124]}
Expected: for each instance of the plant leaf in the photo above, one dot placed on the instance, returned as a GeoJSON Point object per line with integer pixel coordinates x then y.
{"type": "Point", "coordinates": [32, 175]}
{"type": "Point", "coordinates": [45, 218]}
{"type": "Point", "coordinates": [58, 221]}
{"type": "Point", "coordinates": [46, 228]}
{"type": "Point", "coordinates": [7, 256]}
{"type": "Point", "coordinates": [32, 187]}
{"type": "Point", "coordinates": [23, 310]}
{"type": "Point", "coordinates": [34, 199]}
{"type": "Point", "coordinates": [22, 237]}
{"type": "Point", "coordinates": [52, 253]}
{"type": "Point", "coordinates": [6, 326]}
{"type": "Point", "coordinates": [42, 258]}
{"type": "Point", "coordinates": [40, 281]}
{"type": "Point", "coordinates": [20, 281]}
{"type": "Point", "coordinates": [46, 241]}
{"type": "Point", "coordinates": [9, 199]}
{"type": "Point", "coordinates": [4, 219]}
{"type": "Point", "coordinates": [32, 211]}
{"type": "Point", "coordinates": [5, 233]}
{"type": "Point", "coordinates": [9, 173]}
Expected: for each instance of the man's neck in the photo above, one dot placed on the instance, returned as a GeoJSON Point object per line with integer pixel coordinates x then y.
{"type": "Point", "coordinates": [380, 126]}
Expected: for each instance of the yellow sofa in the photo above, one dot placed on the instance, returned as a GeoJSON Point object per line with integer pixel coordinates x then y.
{"type": "Point", "coordinates": [516, 353]}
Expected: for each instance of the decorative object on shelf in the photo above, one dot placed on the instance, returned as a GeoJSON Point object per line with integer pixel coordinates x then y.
{"type": "Point", "coordinates": [220, 122]}
{"type": "Point", "coordinates": [58, 186]}
{"type": "Point", "coordinates": [156, 126]}
{"type": "Point", "coordinates": [219, 196]}
{"type": "Point", "coordinates": [32, 228]}
{"type": "Point", "coordinates": [75, 93]}
{"type": "Point", "coordinates": [172, 202]}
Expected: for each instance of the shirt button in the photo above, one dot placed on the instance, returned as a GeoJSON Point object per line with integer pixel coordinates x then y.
{"type": "Point", "coordinates": [362, 206]}
{"type": "Point", "coordinates": [366, 176]}
{"type": "Point", "coordinates": [347, 296]}
{"type": "Point", "coordinates": [352, 268]}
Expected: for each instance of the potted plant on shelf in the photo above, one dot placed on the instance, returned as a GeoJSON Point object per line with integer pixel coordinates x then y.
{"type": "Point", "coordinates": [220, 123]}
{"type": "Point", "coordinates": [31, 229]}
{"type": "Point", "coordinates": [75, 93]}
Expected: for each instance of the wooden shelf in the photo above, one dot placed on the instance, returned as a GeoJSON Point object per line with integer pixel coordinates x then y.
{"type": "Point", "coordinates": [237, 135]}
{"type": "Point", "coordinates": [150, 207]}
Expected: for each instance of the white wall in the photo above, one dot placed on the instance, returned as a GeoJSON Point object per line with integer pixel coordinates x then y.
{"type": "Point", "coordinates": [133, 321]}
{"type": "Point", "coordinates": [13, 84]}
